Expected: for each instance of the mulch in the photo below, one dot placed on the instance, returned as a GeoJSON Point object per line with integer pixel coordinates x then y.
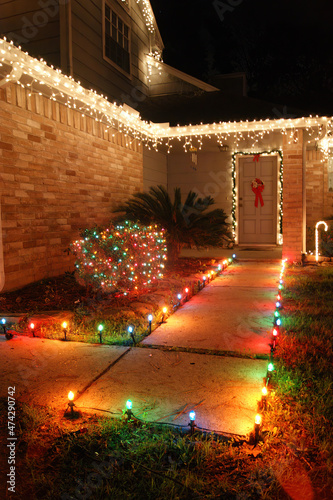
{"type": "Point", "coordinates": [64, 293]}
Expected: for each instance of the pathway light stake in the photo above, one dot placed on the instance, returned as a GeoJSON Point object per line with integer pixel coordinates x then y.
{"type": "Point", "coordinates": [264, 393]}
{"type": "Point", "coordinates": [192, 422]}
{"type": "Point", "coordinates": [257, 425]}
{"type": "Point", "coordinates": [128, 410]}
{"type": "Point", "coordinates": [317, 237]}
{"type": "Point", "coordinates": [100, 329]}
{"type": "Point", "coordinates": [164, 311]}
{"type": "Point", "coordinates": [150, 319]}
{"type": "Point", "coordinates": [64, 325]}
{"type": "Point", "coordinates": [130, 330]}
{"type": "Point", "coordinates": [186, 294]}
{"type": "Point", "coordinates": [204, 281]}
{"type": "Point", "coordinates": [277, 321]}
{"type": "Point", "coordinates": [32, 328]}
{"type": "Point", "coordinates": [8, 335]}
{"type": "Point", "coordinates": [71, 405]}
{"type": "Point", "coordinates": [179, 297]}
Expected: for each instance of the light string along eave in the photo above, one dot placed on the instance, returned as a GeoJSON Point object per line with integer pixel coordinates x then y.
{"type": "Point", "coordinates": [51, 83]}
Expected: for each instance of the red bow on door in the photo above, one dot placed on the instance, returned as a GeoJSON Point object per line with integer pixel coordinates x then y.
{"type": "Point", "coordinates": [257, 187]}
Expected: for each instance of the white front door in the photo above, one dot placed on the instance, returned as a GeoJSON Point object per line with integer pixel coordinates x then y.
{"type": "Point", "coordinates": [257, 224]}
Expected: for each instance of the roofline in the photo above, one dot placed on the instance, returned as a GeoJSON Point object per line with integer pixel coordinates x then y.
{"type": "Point", "coordinates": [187, 78]}
{"type": "Point", "coordinates": [65, 90]}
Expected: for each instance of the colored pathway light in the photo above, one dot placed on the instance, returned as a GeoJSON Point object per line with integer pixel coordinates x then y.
{"type": "Point", "coordinates": [71, 404]}
{"type": "Point", "coordinates": [278, 304]}
{"type": "Point", "coordinates": [270, 367]}
{"type": "Point", "coordinates": [275, 332]}
{"type": "Point", "coordinates": [277, 321]}
{"type": "Point", "coordinates": [264, 393]}
{"type": "Point", "coordinates": [7, 334]}
{"type": "Point", "coordinates": [130, 330]}
{"type": "Point", "coordinates": [64, 326]}
{"type": "Point", "coordinates": [257, 424]}
{"type": "Point", "coordinates": [129, 407]}
{"type": "Point", "coordinates": [100, 329]}
{"type": "Point", "coordinates": [186, 293]}
{"type": "Point", "coordinates": [233, 255]}
{"type": "Point", "coordinates": [230, 259]}
{"type": "Point", "coordinates": [32, 328]}
{"type": "Point", "coordinates": [150, 319]}
{"type": "Point", "coordinates": [164, 311]}
{"type": "Point", "coordinates": [192, 421]}
{"type": "Point", "coordinates": [277, 314]}
{"type": "Point", "coordinates": [179, 297]}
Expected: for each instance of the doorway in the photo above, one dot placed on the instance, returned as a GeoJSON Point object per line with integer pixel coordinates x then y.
{"type": "Point", "coordinates": [257, 224]}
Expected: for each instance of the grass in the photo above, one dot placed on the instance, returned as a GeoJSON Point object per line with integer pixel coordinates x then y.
{"type": "Point", "coordinates": [105, 458]}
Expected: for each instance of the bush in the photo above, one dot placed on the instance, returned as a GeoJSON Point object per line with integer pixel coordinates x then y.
{"type": "Point", "coordinates": [120, 258]}
{"type": "Point", "coordinates": [189, 224]}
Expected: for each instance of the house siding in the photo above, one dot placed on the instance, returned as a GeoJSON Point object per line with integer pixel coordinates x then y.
{"type": "Point", "coordinates": [59, 172]}
{"type": "Point", "coordinates": [155, 170]}
{"type": "Point", "coordinates": [89, 66]}
{"type": "Point", "coordinates": [33, 27]}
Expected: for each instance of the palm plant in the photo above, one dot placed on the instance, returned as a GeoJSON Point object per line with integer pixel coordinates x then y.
{"type": "Point", "coordinates": [186, 224]}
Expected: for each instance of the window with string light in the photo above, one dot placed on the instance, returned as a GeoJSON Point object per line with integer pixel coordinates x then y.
{"type": "Point", "coordinates": [117, 38]}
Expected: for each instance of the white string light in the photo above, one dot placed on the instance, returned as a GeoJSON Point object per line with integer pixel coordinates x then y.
{"type": "Point", "coordinates": [39, 78]}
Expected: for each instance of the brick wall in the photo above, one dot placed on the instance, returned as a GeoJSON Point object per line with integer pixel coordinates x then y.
{"type": "Point", "coordinates": [59, 172]}
{"type": "Point", "coordinates": [293, 197]}
{"type": "Point", "coordinates": [319, 201]}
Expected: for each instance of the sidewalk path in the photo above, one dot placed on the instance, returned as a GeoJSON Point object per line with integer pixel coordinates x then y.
{"type": "Point", "coordinates": [233, 313]}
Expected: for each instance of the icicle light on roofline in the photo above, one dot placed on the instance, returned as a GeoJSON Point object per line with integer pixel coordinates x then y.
{"type": "Point", "coordinates": [46, 81]}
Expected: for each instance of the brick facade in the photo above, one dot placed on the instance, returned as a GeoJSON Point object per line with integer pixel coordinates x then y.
{"type": "Point", "coordinates": [59, 172]}
{"type": "Point", "coordinates": [293, 198]}
{"type": "Point", "coordinates": [319, 201]}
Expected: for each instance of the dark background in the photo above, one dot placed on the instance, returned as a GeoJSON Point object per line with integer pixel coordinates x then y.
{"type": "Point", "coordinates": [284, 47]}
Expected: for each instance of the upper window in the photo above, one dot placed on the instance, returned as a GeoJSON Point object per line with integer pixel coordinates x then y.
{"type": "Point", "coordinates": [117, 40]}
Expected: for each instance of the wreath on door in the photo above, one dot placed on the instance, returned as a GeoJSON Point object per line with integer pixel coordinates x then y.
{"type": "Point", "coordinates": [257, 187]}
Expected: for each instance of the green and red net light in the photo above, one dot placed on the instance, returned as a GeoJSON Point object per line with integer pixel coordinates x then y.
{"type": "Point", "coordinates": [126, 257]}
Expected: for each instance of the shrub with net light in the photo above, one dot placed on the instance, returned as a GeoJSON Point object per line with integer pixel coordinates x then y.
{"type": "Point", "coordinates": [125, 257]}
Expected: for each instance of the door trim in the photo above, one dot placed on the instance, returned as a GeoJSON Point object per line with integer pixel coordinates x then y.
{"type": "Point", "coordinates": [235, 198]}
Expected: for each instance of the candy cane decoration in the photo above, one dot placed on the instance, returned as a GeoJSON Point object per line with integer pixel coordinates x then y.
{"type": "Point", "coordinates": [317, 238]}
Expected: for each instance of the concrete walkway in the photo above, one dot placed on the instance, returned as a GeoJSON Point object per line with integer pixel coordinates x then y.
{"type": "Point", "coordinates": [232, 314]}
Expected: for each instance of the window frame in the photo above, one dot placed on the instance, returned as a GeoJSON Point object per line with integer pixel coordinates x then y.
{"type": "Point", "coordinates": [122, 13]}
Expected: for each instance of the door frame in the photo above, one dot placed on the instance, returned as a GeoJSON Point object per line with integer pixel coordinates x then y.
{"type": "Point", "coordinates": [279, 195]}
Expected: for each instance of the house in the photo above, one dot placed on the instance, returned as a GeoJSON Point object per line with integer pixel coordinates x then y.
{"type": "Point", "coordinates": [69, 154]}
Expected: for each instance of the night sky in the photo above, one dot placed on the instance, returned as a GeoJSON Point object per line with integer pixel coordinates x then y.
{"type": "Point", "coordinates": [284, 47]}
